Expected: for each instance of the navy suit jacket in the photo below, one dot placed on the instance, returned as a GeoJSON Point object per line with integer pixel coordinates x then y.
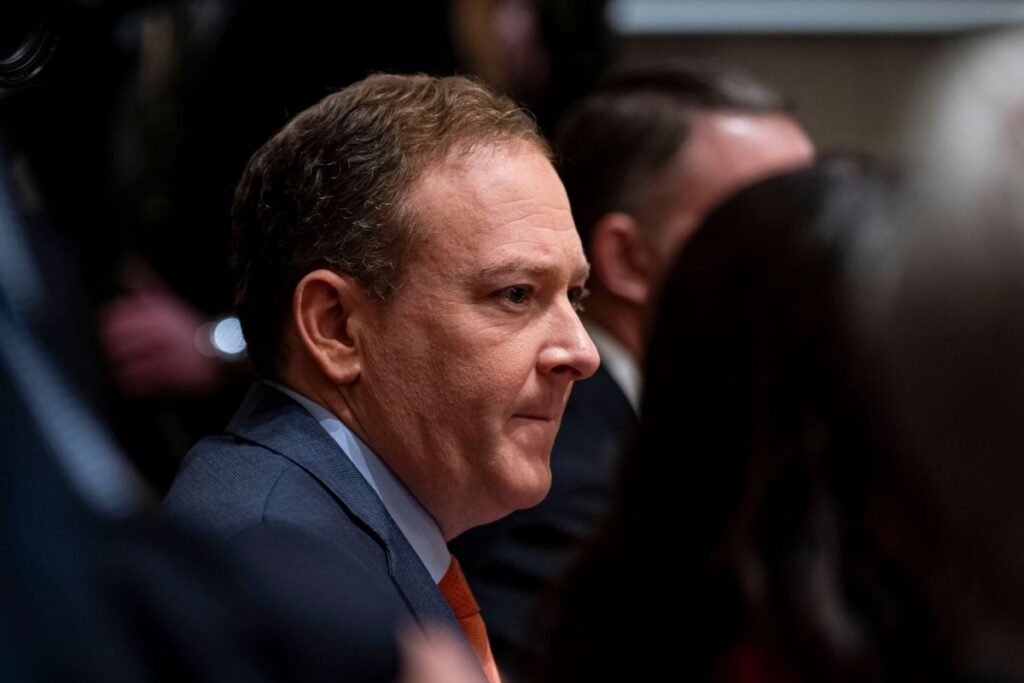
{"type": "Point", "coordinates": [277, 473]}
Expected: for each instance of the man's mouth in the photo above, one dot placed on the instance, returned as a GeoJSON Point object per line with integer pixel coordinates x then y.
{"type": "Point", "coordinates": [548, 409]}
{"type": "Point", "coordinates": [542, 413]}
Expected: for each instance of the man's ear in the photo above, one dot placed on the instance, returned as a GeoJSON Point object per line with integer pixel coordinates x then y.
{"type": "Point", "coordinates": [327, 309]}
{"type": "Point", "coordinates": [622, 257]}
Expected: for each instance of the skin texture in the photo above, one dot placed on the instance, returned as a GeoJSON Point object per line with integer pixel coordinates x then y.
{"type": "Point", "coordinates": [725, 152]}
{"type": "Point", "coordinates": [460, 381]}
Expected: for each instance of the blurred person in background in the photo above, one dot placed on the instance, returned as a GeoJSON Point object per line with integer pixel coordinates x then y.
{"type": "Point", "coordinates": [946, 320]}
{"type": "Point", "coordinates": [408, 282]}
{"type": "Point", "coordinates": [546, 54]}
{"type": "Point", "coordinates": [644, 158]}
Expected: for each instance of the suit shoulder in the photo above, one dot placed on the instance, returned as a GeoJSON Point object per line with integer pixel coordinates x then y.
{"type": "Point", "coordinates": [300, 547]}
{"type": "Point", "coordinates": [227, 486]}
{"type": "Point", "coordinates": [224, 483]}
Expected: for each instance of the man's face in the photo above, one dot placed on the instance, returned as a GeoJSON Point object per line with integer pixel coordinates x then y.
{"type": "Point", "coordinates": [725, 152]}
{"type": "Point", "coordinates": [467, 370]}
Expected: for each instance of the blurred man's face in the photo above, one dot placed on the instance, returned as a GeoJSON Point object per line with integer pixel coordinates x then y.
{"type": "Point", "coordinates": [467, 370]}
{"type": "Point", "coordinates": [726, 151]}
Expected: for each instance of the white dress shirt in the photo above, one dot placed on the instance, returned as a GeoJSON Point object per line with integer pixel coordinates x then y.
{"type": "Point", "coordinates": [618, 361]}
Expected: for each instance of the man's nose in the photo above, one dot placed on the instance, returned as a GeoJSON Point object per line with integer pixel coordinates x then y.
{"type": "Point", "coordinates": [571, 352]}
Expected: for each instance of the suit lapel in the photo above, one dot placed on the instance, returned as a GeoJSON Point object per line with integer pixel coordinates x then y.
{"type": "Point", "coordinates": [271, 419]}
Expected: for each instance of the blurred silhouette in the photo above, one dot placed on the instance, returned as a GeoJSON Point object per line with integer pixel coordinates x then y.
{"type": "Point", "coordinates": [546, 54]}
{"type": "Point", "coordinates": [945, 320]}
{"type": "Point", "coordinates": [761, 462]}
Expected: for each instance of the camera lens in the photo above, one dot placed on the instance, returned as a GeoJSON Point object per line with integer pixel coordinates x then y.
{"type": "Point", "coordinates": [19, 24]}
{"type": "Point", "coordinates": [28, 36]}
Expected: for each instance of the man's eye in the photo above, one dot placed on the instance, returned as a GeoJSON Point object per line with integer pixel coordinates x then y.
{"type": "Point", "coordinates": [518, 294]}
{"type": "Point", "coordinates": [576, 297]}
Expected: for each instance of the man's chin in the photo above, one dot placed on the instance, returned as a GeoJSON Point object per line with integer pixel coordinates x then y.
{"type": "Point", "coordinates": [511, 499]}
{"type": "Point", "coordinates": [527, 489]}
{"type": "Point", "coordinates": [531, 491]}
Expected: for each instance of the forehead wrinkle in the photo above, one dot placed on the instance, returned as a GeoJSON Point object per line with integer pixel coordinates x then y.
{"type": "Point", "coordinates": [541, 217]}
{"type": "Point", "coordinates": [489, 206]}
{"type": "Point", "coordinates": [532, 198]}
{"type": "Point", "coordinates": [529, 269]}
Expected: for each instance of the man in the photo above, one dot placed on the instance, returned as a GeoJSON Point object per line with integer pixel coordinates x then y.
{"type": "Point", "coordinates": [644, 158]}
{"type": "Point", "coordinates": [408, 282]}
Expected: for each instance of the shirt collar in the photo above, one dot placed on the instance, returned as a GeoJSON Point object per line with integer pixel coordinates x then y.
{"type": "Point", "coordinates": [618, 361]}
{"type": "Point", "coordinates": [415, 523]}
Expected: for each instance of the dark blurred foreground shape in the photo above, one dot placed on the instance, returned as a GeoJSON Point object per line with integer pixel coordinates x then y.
{"type": "Point", "coordinates": [761, 460]}
{"type": "Point", "coordinates": [90, 590]}
{"type": "Point", "coordinates": [753, 463]}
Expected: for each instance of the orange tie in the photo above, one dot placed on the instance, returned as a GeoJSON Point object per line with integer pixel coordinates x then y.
{"type": "Point", "coordinates": [460, 598]}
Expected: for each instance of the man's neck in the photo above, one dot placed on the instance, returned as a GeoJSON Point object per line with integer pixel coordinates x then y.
{"type": "Point", "coordinates": [325, 395]}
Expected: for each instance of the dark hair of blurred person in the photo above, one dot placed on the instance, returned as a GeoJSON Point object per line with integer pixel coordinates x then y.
{"type": "Point", "coordinates": [615, 145]}
{"type": "Point", "coordinates": [760, 464]}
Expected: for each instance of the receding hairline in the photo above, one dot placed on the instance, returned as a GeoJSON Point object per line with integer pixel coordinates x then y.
{"type": "Point", "coordinates": [458, 158]}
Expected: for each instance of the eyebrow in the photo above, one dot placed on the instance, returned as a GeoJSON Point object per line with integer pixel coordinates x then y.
{"type": "Point", "coordinates": [529, 269]}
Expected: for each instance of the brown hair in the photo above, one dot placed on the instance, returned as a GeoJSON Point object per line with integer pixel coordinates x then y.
{"type": "Point", "coordinates": [328, 190]}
